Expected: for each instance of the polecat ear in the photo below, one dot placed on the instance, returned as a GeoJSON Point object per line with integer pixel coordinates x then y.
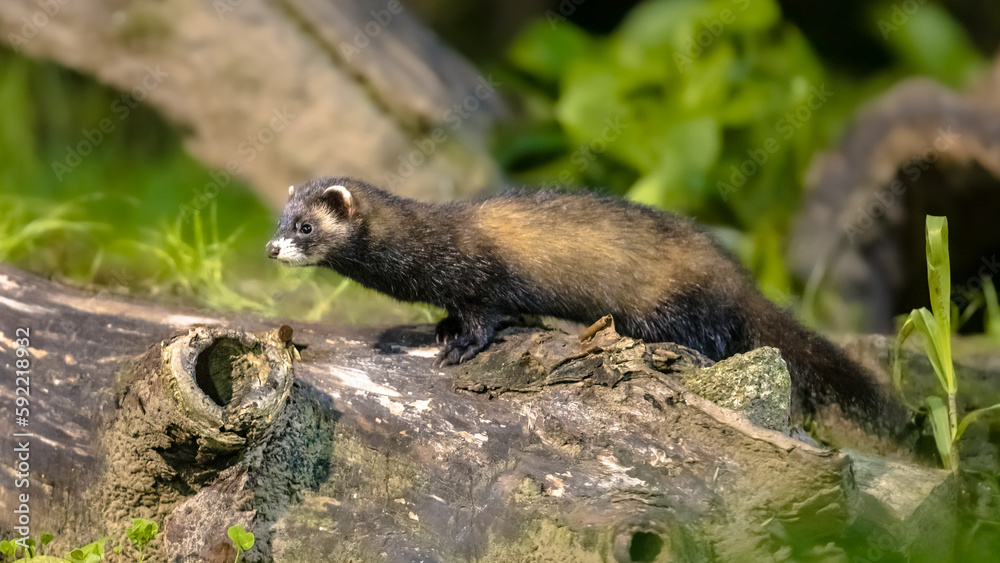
{"type": "Point", "coordinates": [340, 201]}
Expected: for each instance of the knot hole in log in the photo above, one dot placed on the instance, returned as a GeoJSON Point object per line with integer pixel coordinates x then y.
{"type": "Point", "coordinates": [654, 537]}
{"type": "Point", "coordinates": [645, 547]}
{"type": "Point", "coordinates": [192, 409]}
{"type": "Point", "coordinates": [216, 364]}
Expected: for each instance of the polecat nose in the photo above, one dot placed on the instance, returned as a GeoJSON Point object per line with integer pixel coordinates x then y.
{"type": "Point", "coordinates": [272, 251]}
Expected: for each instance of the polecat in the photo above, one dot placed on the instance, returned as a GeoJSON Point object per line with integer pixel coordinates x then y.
{"type": "Point", "coordinates": [576, 256]}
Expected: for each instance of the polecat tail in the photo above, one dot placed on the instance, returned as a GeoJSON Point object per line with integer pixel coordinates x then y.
{"type": "Point", "coordinates": [823, 376]}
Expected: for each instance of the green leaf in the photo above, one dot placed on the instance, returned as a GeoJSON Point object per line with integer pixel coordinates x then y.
{"type": "Point", "coordinates": [923, 321]}
{"type": "Point", "coordinates": [545, 50]}
{"type": "Point", "coordinates": [992, 321]}
{"type": "Point", "coordinates": [970, 417]}
{"type": "Point", "coordinates": [652, 26]}
{"type": "Point", "coordinates": [47, 538]}
{"type": "Point", "coordinates": [6, 547]}
{"type": "Point", "coordinates": [141, 532]}
{"type": "Point", "coordinates": [90, 553]}
{"type": "Point", "coordinates": [240, 537]}
{"type": "Point", "coordinates": [91, 549]}
{"type": "Point", "coordinates": [939, 269]}
{"type": "Point", "coordinates": [942, 430]}
{"type": "Point", "coordinates": [939, 284]}
{"type": "Point", "coordinates": [932, 43]}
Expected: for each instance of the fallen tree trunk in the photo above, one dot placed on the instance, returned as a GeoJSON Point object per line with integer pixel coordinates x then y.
{"type": "Point", "coordinates": [584, 450]}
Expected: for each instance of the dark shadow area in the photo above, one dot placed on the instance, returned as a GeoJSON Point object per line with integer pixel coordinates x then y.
{"type": "Point", "coordinates": [645, 547]}
{"type": "Point", "coordinates": [395, 339]}
{"type": "Point", "coordinates": [969, 195]}
{"type": "Point", "coordinates": [214, 369]}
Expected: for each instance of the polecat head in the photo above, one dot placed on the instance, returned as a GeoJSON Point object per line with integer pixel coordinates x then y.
{"type": "Point", "coordinates": [318, 218]}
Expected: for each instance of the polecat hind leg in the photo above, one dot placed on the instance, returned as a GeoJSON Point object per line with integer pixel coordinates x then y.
{"type": "Point", "coordinates": [476, 332]}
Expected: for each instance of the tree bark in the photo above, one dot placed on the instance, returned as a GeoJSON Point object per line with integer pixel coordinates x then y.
{"type": "Point", "coordinates": [373, 454]}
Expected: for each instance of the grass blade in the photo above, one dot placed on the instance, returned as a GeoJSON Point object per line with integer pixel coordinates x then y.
{"type": "Point", "coordinates": [942, 430]}
{"type": "Point", "coordinates": [992, 321]}
{"type": "Point", "coordinates": [969, 418]}
{"type": "Point", "coordinates": [939, 268]}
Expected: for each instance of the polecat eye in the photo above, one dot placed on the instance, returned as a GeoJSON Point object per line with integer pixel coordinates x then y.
{"type": "Point", "coordinates": [306, 229]}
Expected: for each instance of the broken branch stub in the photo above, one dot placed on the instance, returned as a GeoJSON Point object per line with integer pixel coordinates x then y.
{"type": "Point", "coordinates": [187, 410]}
{"type": "Point", "coordinates": [229, 384]}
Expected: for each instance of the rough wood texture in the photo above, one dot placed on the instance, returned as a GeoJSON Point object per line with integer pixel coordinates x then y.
{"type": "Point", "coordinates": [918, 149]}
{"type": "Point", "coordinates": [378, 457]}
{"type": "Point", "coordinates": [283, 90]}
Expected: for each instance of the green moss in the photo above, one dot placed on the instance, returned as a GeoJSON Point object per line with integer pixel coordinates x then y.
{"type": "Point", "coordinates": [528, 490]}
{"type": "Point", "coordinates": [544, 542]}
{"type": "Point", "coordinates": [365, 477]}
{"type": "Point", "coordinates": [307, 533]}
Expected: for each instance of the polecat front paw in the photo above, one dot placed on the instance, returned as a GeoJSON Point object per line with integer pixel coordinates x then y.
{"type": "Point", "coordinates": [449, 328]}
{"type": "Point", "coordinates": [460, 349]}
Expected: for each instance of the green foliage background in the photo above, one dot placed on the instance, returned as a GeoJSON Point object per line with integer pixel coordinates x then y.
{"type": "Point", "coordinates": [718, 107]}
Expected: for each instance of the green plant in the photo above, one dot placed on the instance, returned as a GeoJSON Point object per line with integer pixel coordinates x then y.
{"type": "Point", "coordinates": [22, 229]}
{"type": "Point", "coordinates": [985, 299]}
{"type": "Point", "coordinates": [30, 547]}
{"type": "Point", "coordinates": [197, 266]}
{"type": "Point", "coordinates": [7, 548]}
{"type": "Point", "coordinates": [90, 553]}
{"type": "Point", "coordinates": [45, 540]}
{"type": "Point", "coordinates": [140, 533]}
{"type": "Point", "coordinates": [992, 320]}
{"type": "Point", "coordinates": [935, 327]}
{"type": "Point", "coordinates": [242, 539]}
